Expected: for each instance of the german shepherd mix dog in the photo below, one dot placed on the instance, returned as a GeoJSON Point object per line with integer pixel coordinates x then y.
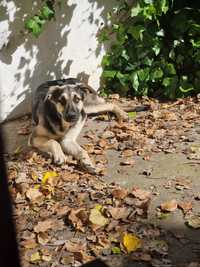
{"type": "Point", "coordinates": [60, 109]}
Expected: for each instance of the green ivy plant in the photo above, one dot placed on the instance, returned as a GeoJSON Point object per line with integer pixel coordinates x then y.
{"type": "Point", "coordinates": [35, 24]}
{"type": "Point", "coordinates": [154, 49]}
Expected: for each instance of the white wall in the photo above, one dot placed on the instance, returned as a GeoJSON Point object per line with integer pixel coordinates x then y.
{"type": "Point", "coordinates": [67, 47]}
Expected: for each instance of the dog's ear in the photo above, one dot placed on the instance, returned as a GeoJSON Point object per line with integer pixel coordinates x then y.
{"type": "Point", "coordinates": [54, 93]}
{"type": "Point", "coordinates": [85, 90]}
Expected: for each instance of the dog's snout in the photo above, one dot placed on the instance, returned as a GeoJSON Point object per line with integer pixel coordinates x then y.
{"type": "Point", "coordinates": [71, 115]}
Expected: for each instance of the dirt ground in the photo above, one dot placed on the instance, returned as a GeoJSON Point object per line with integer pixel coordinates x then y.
{"type": "Point", "coordinates": [165, 162]}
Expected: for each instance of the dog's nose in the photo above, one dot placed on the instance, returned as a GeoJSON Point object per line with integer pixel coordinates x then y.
{"type": "Point", "coordinates": [71, 116]}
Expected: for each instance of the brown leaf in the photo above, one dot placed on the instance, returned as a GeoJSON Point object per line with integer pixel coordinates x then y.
{"type": "Point", "coordinates": [29, 243]}
{"type": "Point", "coordinates": [127, 162]}
{"type": "Point", "coordinates": [194, 221]}
{"type": "Point", "coordinates": [78, 218]}
{"type": "Point", "coordinates": [44, 226]}
{"type": "Point", "coordinates": [127, 153]}
{"type": "Point", "coordinates": [75, 245]}
{"type": "Point", "coordinates": [119, 193]}
{"type": "Point", "coordinates": [34, 195]}
{"type": "Point", "coordinates": [61, 211]}
{"type": "Point", "coordinates": [83, 257]}
{"type": "Point", "coordinates": [119, 213]}
{"type": "Point", "coordinates": [185, 206]}
{"type": "Point", "coordinates": [140, 193]}
{"type": "Point", "coordinates": [43, 238]}
{"type": "Point", "coordinates": [170, 205]}
{"type": "Point", "coordinates": [183, 183]}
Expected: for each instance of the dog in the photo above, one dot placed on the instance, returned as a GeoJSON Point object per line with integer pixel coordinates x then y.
{"type": "Point", "coordinates": [59, 112]}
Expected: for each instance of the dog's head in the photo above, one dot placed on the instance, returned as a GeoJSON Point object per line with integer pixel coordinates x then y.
{"type": "Point", "coordinates": [67, 100]}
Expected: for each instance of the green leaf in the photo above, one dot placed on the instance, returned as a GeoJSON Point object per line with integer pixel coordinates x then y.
{"type": "Point", "coordinates": [170, 69]}
{"type": "Point", "coordinates": [106, 60]}
{"type": "Point", "coordinates": [135, 10]}
{"type": "Point", "coordinates": [116, 250]}
{"type": "Point", "coordinates": [33, 27]}
{"type": "Point", "coordinates": [39, 20]}
{"type": "Point", "coordinates": [132, 114]}
{"type": "Point", "coordinates": [143, 74]}
{"type": "Point", "coordinates": [122, 78]}
{"type": "Point", "coordinates": [164, 6]}
{"type": "Point", "coordinates": [109, 73]}
{"type": "Point", "coordinates": [137, 31]}
{"type": "Point", "coordinates": [167, 81]}
{"type": "Point", "coordinates": [157, 74]}
{"type": "Point", "coordinates": [195, 43]}
{"type": "Point", "coordinates": [103, 35]}
{"type": "Point", "coordinates": [47, 12]}
{"type": "Point", "coordinates": [134, 80]}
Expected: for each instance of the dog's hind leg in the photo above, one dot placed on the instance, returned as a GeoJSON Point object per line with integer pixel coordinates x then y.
{"type": "Point", "coordinates": [106, 107]}
{"type": "Point", "coordinates": [51, 147]}
{"type": "Point", "coordinates": [70, 146]}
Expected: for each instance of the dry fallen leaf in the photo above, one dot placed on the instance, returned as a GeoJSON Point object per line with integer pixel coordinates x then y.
{"type": "Point", "coordinates": [34, 195]}
{"type": "Point", "coordinates": [119, 193]}
{"type": "Point", "coordinates": [44, 226]}
{"type": "Point", "coordinates": [75, 245]}
{"type": "Point", "coordinates": [119, 213]}
{"type": "Point", "coordinates": [131, 242]}
{"type": "Point", "coordinates": [141, 194]}
{"type": "Point", "coordinates": [170, 205]}
{"type": "Point", "coordinates": [185, 206]}
{"type": "Point", "coordinates": [194, 221]}
{"type": "Point", "coordinates": [49, 177]}
{"type": "Point", "coordinates": [35, 257]}
{"type": "Point", "coordinates": [29, 243]}
{"type": "Point", "coordinates": [97, 218]}
{"type": "Point", "coordinates": [43, 238]}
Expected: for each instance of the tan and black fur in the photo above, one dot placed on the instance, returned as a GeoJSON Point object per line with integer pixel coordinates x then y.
{"type": "Point", "coordinates": [60, 109]}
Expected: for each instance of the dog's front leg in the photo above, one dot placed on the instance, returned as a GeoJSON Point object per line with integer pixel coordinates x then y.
{"type": "Point", "coordinates": [51, 147]}
{"type": "Point", "coordinates": [70, 146]}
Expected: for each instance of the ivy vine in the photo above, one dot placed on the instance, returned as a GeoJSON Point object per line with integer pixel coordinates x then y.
{"type": "Point", "coordinates": [36, 23]}
{"type": "Point", "coordinates": [154, 48]}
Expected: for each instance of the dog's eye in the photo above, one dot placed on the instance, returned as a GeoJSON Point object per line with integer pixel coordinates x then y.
{"type": "Point", "coordinates": [76, 99]}
{"type": "Point", "coordinates": [62, 100]}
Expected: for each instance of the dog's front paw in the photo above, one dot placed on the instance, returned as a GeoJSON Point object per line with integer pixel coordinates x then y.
{"type": "Point", "coordinates": [59, 158]}
{"type": "Point", "coordinates": [89, 168]}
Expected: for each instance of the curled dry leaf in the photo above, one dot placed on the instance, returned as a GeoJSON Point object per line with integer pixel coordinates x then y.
{"type": "Point", "coordinates": [83, 257]}
{"type": "Point", "coordinates": [78, 218]}
{"type": "Point", "coordinates": [34, 195]}
{"type": "Point", "coordinates": [131, 242]}
{"type": "Point", "coordinates": [140, 193]}
{"type": "Point", "coordinates": [194, 221]}
{"type": "Point", "coordinates": [127, 162]}
{"type": "Point", "coordinates": [119, 213]}
{"type": "Point", "coordinates": [75, 245]}
{"type": "Point", "coordinates": [170, 205]}
{"type": "Point", "coordinates": [119, 193]}
{"type": "Point", "coordinates": [185, 206]}
{"type": "Point", "coordinates": [43, 238]}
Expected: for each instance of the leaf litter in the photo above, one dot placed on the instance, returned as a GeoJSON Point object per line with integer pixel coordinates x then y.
{"type": "Point", "coordinates": [67, 216]}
